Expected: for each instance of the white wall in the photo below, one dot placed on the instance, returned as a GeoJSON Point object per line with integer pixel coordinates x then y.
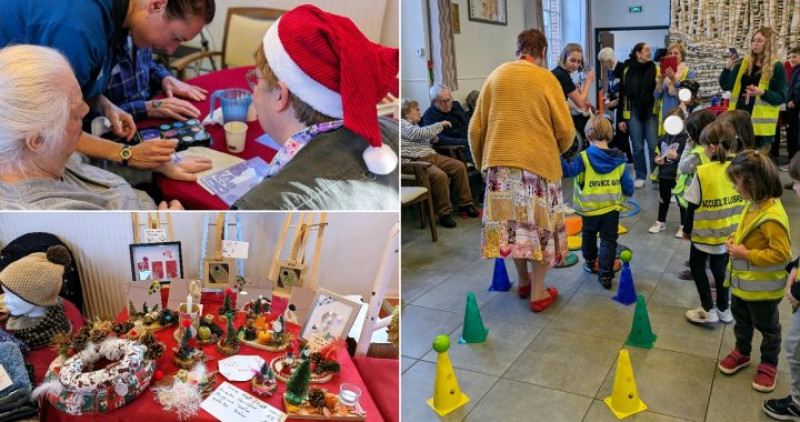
{"type": "Point", "coordinates": [377, 19]}
{"type": "Point", "coordinates": [615, 14]}
{"type": "Point", "coordinates": [480, 48]}
{"type": "Point", "coordinates": [351, 248]}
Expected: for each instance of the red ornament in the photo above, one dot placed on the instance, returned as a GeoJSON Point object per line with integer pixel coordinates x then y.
{"type": "Point", "coordinates": [159, 375]}
{"type": "Point", "coordinates": [132, 333]}
{"type": "Point", "coordinates": [186, 323]}
{"type": "Point", "coordinates": [228, 291]}
{"type": "Point", "coordinates": [70, 351]}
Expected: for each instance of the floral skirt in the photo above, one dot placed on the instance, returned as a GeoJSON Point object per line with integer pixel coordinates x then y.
{"type": "Point", "coordinates": [522, 217]}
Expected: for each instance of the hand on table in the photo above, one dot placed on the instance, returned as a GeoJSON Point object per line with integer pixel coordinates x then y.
{"type": "Point", "coordinates": [184, 169]}
{"type": "Point", "coordinates": [173, 205]}
{"type": "Point", "coordinates": [171, 108]}
{"type": "Point", "coordinates": [122, 123]}
{"type": "Point", "coordinates": [151, 154]}
{"type": "Point", "coordinates": [172, 86]}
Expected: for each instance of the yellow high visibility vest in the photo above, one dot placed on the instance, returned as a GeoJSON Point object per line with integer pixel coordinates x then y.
{"type": "Point", "coordinates": [749, 281]}
{"type": "Point", "coordinates": [601, 193]}
{"type": "Point", "coordinates": [684, 179]}
{"type": "Point", "coordinates": [765, 115]}
{"type": "Point", "coordinates": [720, 209]}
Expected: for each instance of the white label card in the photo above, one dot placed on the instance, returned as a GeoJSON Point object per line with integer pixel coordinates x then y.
{"type": "Point", "coordinates": [317, 340]}
{"type": "Point", "coordinates": [234, 249]}
{"type": "Point", "coordinates": [5, 380]}
{"type": "Point", "coordinates": [231, 404]}
{"type": "Point", "coordinates": [155, 236]}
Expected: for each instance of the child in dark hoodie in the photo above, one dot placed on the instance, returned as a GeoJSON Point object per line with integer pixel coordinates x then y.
{"type": "Point", "coordinates": [671, 147]}
{"type": "Point", "coordinates": [601, 181]}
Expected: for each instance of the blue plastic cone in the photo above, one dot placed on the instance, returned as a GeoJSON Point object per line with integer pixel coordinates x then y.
{"type": "Point", "coordinates": [626, 293]}
{"type": "Point", "coordinates": [500, 281]}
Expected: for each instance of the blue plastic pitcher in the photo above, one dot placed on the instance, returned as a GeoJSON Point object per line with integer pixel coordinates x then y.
{"type": "Point", "coordinates": [235, 103]}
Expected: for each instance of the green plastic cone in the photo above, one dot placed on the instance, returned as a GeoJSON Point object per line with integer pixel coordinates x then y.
{"type": "Point", "coordinates": [641, 333]}
{"type": "Point", "coordinates": [474, 331]}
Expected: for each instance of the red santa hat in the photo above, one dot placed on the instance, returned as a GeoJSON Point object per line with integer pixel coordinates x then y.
{"type": "Point", "coordinates": [329, 64]}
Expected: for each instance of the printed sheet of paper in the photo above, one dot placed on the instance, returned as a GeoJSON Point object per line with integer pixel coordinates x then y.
{"type": "Point", "coordinates": [235, 249]}
{"type": "Point", "coordinates": [231, 404]}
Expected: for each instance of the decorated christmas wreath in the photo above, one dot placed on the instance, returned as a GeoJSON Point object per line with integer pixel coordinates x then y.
{"type": "Point", "coordinates": [72, 385]}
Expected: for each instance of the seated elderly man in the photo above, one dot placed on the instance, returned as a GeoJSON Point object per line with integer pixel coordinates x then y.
{"type": "Point", "coordinates": [443, 108]}
{"type": "Point", "coordinates": [315, 89]}
{"type": "Point", "coordinates": [39, 129]}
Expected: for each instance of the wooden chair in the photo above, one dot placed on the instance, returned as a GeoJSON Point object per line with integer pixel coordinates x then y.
{"type": "Point", "coordinates": [244, 29]}
{"type": "Point", "coordinates": [420, 193]}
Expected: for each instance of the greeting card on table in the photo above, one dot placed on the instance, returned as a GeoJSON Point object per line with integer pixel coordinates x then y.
{"type": "Point", "coordinates": [140, 294]}
{"type": "Point", "coordinates": [234, 182]}
{"type": "Point", "coordinates": [231, 404]}
{"type": "Point", "coordinates": [179, 289]}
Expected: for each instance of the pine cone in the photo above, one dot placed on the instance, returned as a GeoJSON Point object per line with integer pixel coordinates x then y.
{"type": "Point", "coordinates": [117, 328]}
{"type": "Point", "coordinates": [316, 397]}
{"type": "Point", "coordinates": [147, 338]}
{"type": "Point", "coordinates": [84, 330]}
{"type": "Point", "coordinates": [96, 336]}
{"type": "Point", "coordinates": [127, 326]}
{"type": "Point", "coordinates": [79, 341]}
{"type": "Point", "coordinates": [315, 357]}
{"type": "Point", "coordinates": [155, 350]}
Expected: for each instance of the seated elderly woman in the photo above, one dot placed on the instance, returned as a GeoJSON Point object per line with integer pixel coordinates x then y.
{"type": "Point", "coordinates": [39, 129]}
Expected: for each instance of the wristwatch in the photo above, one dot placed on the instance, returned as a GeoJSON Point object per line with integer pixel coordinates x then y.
{"type": "Point", "coordinates": [125, 154]}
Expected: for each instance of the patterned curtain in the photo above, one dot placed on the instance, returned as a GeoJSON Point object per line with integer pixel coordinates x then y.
{"type": "Point", "coordinates": [443, 49]}
{"type": "Point", "coordinates": [534, 17]}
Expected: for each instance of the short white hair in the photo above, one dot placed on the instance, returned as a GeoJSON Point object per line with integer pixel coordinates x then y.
{"type": "Point", "coordinates": [607, 54]}
{"type": "Point", "coordinates": [436, 90]}
{"type": "Point", "coordinates": [32, 102]}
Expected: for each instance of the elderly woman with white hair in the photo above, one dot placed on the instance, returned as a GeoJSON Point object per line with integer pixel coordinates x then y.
{"type": "Point", "coordinates": [614, 69]}
{"type": "Point", "coordinates": [39, 129]}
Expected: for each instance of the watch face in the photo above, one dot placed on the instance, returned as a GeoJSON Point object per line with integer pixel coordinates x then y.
{"type": "Point", "coordinates": [125, 153]}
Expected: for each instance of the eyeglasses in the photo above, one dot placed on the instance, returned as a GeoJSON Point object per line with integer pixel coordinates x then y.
{"type": "Point", "coordinates": [445, 101]}
{"type": "Point", "coordinates": [252, 79]}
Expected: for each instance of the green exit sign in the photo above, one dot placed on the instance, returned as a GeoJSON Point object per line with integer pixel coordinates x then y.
{"type": "Point", "coordinates": [635, 9]}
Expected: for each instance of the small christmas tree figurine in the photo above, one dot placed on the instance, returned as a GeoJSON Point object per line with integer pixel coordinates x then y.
{"type": "Point", "coordinates": [257, 306]}
{"type": "Point", "coordinates": [226, 308]}
{"type": "Point", "coordinates": [297, 387]}
{"type": "Point", "coordinates": [185, 349]}
{"type": "Point", "coordinates": [264, 384]}
{"type": "Point", "coordinates": [230, 344]}
{"type": "Point", "coordinates": [131, 310]}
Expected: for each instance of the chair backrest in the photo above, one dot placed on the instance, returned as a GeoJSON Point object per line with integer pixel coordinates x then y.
{"type": "Point", "coordinates": [244, 29]}
{"type": "Point", "coordinates": [39, 242]}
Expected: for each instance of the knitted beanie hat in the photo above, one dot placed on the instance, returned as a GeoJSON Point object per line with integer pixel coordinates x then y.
{"type": "Point", "coordinates": [37, 278]}
{"type": "Point", "coordinates": [329, 64]}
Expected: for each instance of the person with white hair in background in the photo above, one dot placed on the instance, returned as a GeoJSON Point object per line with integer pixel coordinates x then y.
{"type": "Point", "coordinates": [614, 70]}
{"type": "Point", "coordinates": [39, 129]}
{"type": "Point", "coordinates": [444, 108]}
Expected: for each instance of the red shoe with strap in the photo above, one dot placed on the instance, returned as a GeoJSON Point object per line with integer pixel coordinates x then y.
{"type": "Point", "coordinates": [541, 304]}
{"type": "Point", "coordinates": [733, 362]}
{"type": "Point", "coordinates": [766, 378]}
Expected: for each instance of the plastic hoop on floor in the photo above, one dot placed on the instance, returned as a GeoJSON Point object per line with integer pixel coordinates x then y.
{"type": "Point", "coordinates": [632, 206]}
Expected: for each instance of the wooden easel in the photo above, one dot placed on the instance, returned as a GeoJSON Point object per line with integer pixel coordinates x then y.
{"type": "Point", "coordinates": [296, 261]}
{"type": "Point", "coordinates": [153, 222]}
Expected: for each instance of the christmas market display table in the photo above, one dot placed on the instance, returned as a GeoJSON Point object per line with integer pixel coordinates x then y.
{"type": "Point", "coordinates": [145, 407]}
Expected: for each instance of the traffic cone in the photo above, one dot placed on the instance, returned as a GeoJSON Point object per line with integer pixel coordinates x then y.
{"type": "Point", "coordinates": [500, 281]}
{"type": "Point", "coordinates": [626, 292]}
{"type": "Point", "coordinates": [641, 334]}
{"type": "Point", "coordinates": [447, 396]}
{"type": "Point", "coordinates": [474, 331]}
{"type": "Point", "coordinates": [624, 399]}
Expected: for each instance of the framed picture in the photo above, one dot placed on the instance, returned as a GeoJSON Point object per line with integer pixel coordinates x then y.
{"type": "Point", "coordinates": [488, 11]}
{"type": "Point", "coordinates": [330, 313]}
{"type": "Point", "coordinates": [290, 274]}
{"type": "Point", "coordinates": [156, 261]}
{"type": "Point", "coordinates": [455, 16]}
{"type": "Point", "coordinates": [219, 273]}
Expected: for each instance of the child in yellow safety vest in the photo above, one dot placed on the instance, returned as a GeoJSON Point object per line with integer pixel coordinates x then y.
{"type": "Point", "coordinates": [601, 182]}
{"type": "Point", "coordinates": [789, 408]}
{"type": "Point", "coordinates": [759, 252]}
{"type": "Point", "coordinates": [713, 212]}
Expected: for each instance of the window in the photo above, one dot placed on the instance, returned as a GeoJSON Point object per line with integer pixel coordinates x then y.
{"type": "Point", "coordinates": [551, 10]}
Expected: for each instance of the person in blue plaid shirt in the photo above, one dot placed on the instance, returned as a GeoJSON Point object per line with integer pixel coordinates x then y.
{"type": "Point", "coordinates": [136, 76]}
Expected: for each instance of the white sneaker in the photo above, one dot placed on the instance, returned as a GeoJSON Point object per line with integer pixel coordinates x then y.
{"type": "Point", "coordinates": [658, 227]}
{"type": "Point", "coordinates": [700, 316]}
{"type": "Point", "coordinates": [679, 233]}
{"type": "Point", "coordinates": [638, 184]}
{"type": "Point", "coordinates": [725, 316]}
{"type": "Point", "coordinates": [784, 168]}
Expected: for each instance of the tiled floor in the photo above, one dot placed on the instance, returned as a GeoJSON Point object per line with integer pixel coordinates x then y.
{"type": "Point", "coordinates": [559, 365]}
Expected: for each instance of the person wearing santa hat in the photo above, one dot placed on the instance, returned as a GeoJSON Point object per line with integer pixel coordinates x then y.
{"type": "Point", "coordinates": [315, 87]}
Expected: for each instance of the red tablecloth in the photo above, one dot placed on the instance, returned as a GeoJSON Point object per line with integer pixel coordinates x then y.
{"type": "Point", "coordinates": [382, 377]}
{"type": "Point", "coordinates": [145, 408]}
{"type": "Point", "coordinates": [191, 195]}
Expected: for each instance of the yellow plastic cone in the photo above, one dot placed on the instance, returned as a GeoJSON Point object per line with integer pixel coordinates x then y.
{"type": "Point", "coordinates": [624, 400]}
{"type": "Point", "coordinates": [447, 396]}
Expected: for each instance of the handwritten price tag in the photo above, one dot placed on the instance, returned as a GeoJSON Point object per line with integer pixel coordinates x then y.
{"type": "Point", "coordinates": [155, 236]}
{"type": "Point", "coordinates": [231, 404]}
{"type": "Point", "coordinates": [234, 249]}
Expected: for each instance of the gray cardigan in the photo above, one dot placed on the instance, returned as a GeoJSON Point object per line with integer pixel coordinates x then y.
{"type": "Point", "coordinates": [82, 187]}
{"type": "Point", "coordinates": [330, 174]}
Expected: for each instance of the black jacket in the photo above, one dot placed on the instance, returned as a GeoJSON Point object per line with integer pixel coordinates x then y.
{"type": "Point", "coordinates": [457, 117]}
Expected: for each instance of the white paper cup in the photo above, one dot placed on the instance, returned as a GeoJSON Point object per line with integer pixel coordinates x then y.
{"type": "Point", "coordinates": [235, 135]}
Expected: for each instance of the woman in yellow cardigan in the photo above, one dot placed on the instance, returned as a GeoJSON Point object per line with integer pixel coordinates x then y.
{"type": "Point", "coordinates": [520, 126]}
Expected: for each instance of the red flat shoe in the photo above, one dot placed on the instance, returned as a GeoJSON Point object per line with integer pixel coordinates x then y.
{"type": "Point", "coordinates": [524, 292]}
{"type": "Point", "coordinates": [542, 304]}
